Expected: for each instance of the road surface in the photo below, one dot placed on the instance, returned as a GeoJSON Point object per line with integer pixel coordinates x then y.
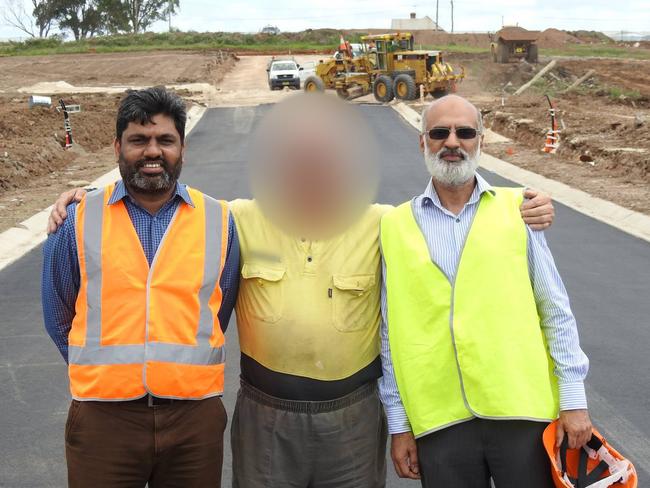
{"type": "Point", "coordinates": [606, 272]}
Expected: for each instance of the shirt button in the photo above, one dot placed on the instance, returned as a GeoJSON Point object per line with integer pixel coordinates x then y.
{"type": "Point", "coordinates": [457, 220]}
{"type": "Point", "coordinates": [303, 239]}
{"type": "Point", "coordinates": [309, 259]}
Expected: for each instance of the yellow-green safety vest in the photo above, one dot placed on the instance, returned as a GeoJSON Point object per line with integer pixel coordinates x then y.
{"type": "Point", "coordinates": [471, 347]}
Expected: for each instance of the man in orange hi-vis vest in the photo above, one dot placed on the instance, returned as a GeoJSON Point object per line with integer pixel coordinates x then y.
{"type": "Point", "coordinates": [138, 288]}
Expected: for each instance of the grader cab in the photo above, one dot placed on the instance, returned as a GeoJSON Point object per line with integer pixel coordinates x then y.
{"type": "Point", "coordinates": [389, 67]}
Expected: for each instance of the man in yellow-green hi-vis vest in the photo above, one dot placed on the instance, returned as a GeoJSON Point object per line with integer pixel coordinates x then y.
{"type": "Point", "coordinates": [480, 348]}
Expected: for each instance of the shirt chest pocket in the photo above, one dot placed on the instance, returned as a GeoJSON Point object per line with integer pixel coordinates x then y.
{"type": "Point", "coordinates": [355, 303]}
{"type": "Point", "coordinates": [261, 294]}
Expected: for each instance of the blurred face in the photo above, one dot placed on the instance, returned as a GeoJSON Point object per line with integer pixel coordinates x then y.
{"type": "Point", "coordinates": [312, 169]}
{"type": "Point", "coordinates": [452, 158]}
{"type": "Point", "coordinates": [150, 156]}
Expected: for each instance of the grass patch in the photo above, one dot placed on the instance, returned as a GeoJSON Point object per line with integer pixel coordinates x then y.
{"type": "Point", "coordinates": [455, 48]}
{"type": "Point", "coordinates": [599, 50]}
{"type": "Point", "coordinates": [301, 41]}
{"type": "Point", "coordinates": [617, 93]}
{"type": "Point", "coordinates": [309, 40]}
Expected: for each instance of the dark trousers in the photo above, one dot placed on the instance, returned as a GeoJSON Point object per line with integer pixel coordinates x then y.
{"type": "Point", "coordinates": [296, 444]}
{"type": "Point", "coordinates": [130, 444]}
{"type": "Point", "coordinates": [466, 455]}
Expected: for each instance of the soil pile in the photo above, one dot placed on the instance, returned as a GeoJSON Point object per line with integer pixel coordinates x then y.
{"type": "Point", "coordinates": [555, 38]}
{"type": "Point", "coordinates": [32, 140]}
{"type": "Point", "coordinates": [135, 69]}
{"type": "Point", "coordinates": [592, 37]}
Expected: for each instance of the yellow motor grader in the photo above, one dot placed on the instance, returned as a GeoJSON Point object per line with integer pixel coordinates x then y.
{"type": "Point", "coordinates": [387, 66]}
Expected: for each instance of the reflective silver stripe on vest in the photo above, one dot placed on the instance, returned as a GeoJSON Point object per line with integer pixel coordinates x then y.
{"type": "Point", "coordinates": [183, 354]}
{"type": "Point", "coordinates": [97, 355]}
{"type": "Point", "coordinates": [93, 223]}
{"type": "Point", "coordinates": [201, 353]}
{"type": "Point", "coordinates": [93, 353]}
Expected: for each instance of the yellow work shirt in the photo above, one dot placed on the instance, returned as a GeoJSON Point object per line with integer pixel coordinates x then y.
{"type": "Point", "coordinates": [309, 308]}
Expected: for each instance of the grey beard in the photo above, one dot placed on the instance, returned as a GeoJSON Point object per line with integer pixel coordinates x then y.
{"type": "Point", "coordinates": [451, 174]}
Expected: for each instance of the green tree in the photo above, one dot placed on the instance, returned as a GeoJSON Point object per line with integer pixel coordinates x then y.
{"type": "Point", "coordinates": [84, 18]}
{"type": "Point", "coordinates": [44, 16]}
{"type": "Point", "coordinates": [136, 15]}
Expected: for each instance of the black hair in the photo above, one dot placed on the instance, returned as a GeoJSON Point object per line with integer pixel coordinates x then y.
{"type": "Point", "coordinates": [142, 105]}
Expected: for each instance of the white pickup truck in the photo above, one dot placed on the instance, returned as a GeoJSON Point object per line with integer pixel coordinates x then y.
{"type": "Point", "coordinates": [283, 72]}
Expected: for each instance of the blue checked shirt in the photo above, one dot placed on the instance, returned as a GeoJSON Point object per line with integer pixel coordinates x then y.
{"type": "Point", "coordinates": [60, 281]}
{"type": "Point", "coordinates": [445, 234]}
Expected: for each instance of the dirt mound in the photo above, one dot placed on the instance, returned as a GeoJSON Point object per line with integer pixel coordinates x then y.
{"type": "Point", "coordinates": [629, 76]}
{"type": "Point", "coordinates": [432, 38]}
{"type": "Point", "coordinates": [134, 69]}
{"type": "Point", "coordinates": [592, 37]}
{"type": "Point", "coordinates": [549, 39]}
{"type": "Point", "coordinates": [555, 38]}
{"type": "Point", "coordinates": [31, 140]}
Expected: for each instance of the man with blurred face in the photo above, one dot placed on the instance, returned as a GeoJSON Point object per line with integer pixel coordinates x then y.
{"type": "Point", "coordinates": [138, 288]}
{"type": "Point", "coordinates": [308, 412]}
{"type": "Point", "coordinates": [480, 348]}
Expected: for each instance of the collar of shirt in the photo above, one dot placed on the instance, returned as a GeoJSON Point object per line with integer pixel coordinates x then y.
{"type": "Point", "coordinates": [430, 196]}
{"type": "Point", "coordinates": [120, 193]}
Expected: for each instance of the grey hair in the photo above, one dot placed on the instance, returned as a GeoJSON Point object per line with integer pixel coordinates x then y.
{"type": "Point", "coordinates": [423, 119]}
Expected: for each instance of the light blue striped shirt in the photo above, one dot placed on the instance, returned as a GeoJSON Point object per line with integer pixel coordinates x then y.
{"type": "Point", "coordinates": [445, 234]}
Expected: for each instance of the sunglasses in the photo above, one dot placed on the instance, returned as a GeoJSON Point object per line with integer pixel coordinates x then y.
{"type": "Point", "coordinates": [442, 133]}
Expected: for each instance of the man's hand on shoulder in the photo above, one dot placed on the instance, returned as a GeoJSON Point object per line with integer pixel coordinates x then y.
{"type": "Point", "coordinates": [404, 453]}
{"type": "Point", "coordinates": [575, 424]}
{"type": "Point", "coordinates": [59, 212]}
{"type": "Point", "coordinates": [537, 210]}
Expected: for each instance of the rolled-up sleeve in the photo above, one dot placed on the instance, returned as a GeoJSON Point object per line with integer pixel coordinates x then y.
{"type": "Point", "coordinates": [388, 391]}
{"type": "Point", "coordinates": [60, 282]}
{"type": "Point", "coordinates": [558, 323]}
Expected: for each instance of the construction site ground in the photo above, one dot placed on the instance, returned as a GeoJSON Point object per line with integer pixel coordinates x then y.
{"type": "Point", "coordinates": [605, 136]}
{"type": "Point", "coordinates": [605, 142]}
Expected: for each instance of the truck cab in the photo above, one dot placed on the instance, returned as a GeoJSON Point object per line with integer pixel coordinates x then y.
{"type": "Point", "coordinates": [283, 72]}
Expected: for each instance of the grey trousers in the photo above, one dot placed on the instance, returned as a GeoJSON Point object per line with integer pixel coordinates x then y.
{"type": "Point", "coordinates": [288, 444]}
{"type": "Point", "coordinates": [466, 455]}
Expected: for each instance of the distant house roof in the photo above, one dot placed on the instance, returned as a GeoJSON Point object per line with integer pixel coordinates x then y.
{"type": "Point", "coordinates": [422, 23]}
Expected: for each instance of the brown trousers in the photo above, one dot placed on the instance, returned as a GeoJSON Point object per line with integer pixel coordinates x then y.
{"type": "Point", "coordinates": [130, 444]}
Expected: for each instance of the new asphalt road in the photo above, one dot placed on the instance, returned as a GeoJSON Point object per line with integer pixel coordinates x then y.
{"type": "Point", "coordinates": [606, 272]}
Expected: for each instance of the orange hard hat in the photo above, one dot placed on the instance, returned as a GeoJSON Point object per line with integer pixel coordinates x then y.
{"type": "Point", "coordinates": [596, 465]}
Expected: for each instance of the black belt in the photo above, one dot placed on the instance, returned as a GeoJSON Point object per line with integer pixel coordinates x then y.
{"type": "Point", "coordinates": [153, 401]}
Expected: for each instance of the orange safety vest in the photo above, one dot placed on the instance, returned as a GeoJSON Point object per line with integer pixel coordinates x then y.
{"type": "Point", "coordinates": [141, 329]}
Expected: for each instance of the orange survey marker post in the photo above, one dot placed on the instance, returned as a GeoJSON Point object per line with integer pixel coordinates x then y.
{"type": "Point", "coordinates": [553, 134]}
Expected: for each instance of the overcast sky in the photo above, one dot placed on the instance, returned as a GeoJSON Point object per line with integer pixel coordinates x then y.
{"type": "Point", "coordinates": [469, 15]}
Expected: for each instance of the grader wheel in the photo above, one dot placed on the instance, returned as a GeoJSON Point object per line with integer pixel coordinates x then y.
{"type": "Point", "coordinates": [404, 87]}
{"type": "Point", "coordinates": [383, 89]}
{"type": "Point", "coordinates": [314, 84]}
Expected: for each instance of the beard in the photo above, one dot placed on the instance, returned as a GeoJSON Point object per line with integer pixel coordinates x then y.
{"type": "Point", "coordinates": [142, 183]}
{"type": "Point", "coordinates": [455, 173]}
